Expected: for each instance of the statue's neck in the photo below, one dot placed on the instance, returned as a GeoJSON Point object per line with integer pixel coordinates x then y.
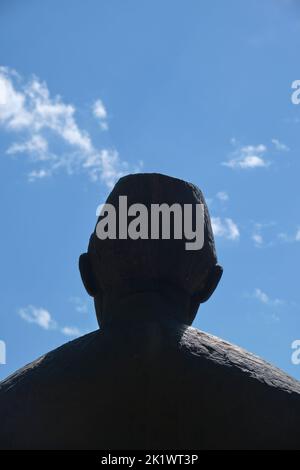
{"type": "Point", "coordinates": [144, 306]}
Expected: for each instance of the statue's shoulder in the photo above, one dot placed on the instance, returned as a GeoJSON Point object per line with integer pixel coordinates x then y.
{"type": "Point", "coordinates": [52, 364]}
{"type": "Point", "coordinates": [200, 347]}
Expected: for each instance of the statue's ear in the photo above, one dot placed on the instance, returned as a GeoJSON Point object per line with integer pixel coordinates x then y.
{"type": "Point", "coordinates": [210, 284]}
{"type": "Point", "coordinates": [207, 290]}
{"type": "Point", "coordinates": [87, 274]}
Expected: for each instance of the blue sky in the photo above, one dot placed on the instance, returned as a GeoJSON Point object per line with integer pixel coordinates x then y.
{"type": "Point", "coordinates": [198, 90]}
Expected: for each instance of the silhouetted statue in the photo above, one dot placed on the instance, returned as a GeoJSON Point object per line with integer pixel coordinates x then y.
{"type": "Point", "coordinates": [146, 379]}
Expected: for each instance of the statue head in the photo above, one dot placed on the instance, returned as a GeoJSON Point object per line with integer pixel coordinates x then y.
{"type": "Point", "coordinates": [131, 251]}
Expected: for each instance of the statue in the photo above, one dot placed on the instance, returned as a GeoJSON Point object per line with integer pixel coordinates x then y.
{"type": "Point", "coordinates": [147, 379]}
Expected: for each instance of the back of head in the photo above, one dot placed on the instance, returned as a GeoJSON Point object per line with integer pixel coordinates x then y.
{"type": "Point", "coordinates": [150, 262]}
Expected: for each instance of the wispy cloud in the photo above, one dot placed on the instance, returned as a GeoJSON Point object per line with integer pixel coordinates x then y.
{"type": "Point", "coordinates": [38, 174]}
{"type": "Point", "coordinates": [42, 317]}
{"type": "Point", "coordinates": [37, 315]}
{"type": "Point", "coordinates": [100, 113]}
{"type": "Point", "coordinates": [247, 157]}
{"type": "Point", "coordinates": [257, 236]}
{"type": "Point", "coordinates": [41, 121]}
{"type": "Point", "coordinates": [219, 200]}
{"type": "Point", "coordinates": [70, 331]}
{"type": "Point", "coordinates": [225, 228]}
{"type": "Point", "coordinates": [262, 297]}
{"type": "Point", "coordinates": [280, 146]}
{"type": "Point", "coordinates": [36, 146]}
{"type": "Point", "coordinates": [264, 234]}
{"type": "Point", "coordinates": [290, 238]}
{"type": "Point", "coordinates": [222, 196]}
{"type": "Point", "coordinates": [258, 239]}
{"type": "Point", "coordinates": [79, 304]}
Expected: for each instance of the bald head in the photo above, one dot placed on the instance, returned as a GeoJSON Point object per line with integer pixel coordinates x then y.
{"type": "Point", "coordinates": [145, 261]}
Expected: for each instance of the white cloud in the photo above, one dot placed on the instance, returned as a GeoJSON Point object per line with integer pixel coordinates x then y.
{"type": "Point", "coordinates": [280, 146]}
{"type": "Point", "coordinates": [39, 316]}
{"type": "Point", "coordinates": [257, 235]}
{"type": "Point", "coordinates": [222, 196]}
{"type": "Point", "coordinates": [247, 157]}
{"type": "Point", "coordinates": [28, 111]}
{"type": "Point", "coordinates": [265, 299]}
{"type": "Point", "coordinates": [80, 305]}
{"type": "Point", "coordinates": [105, 166]}
{"type": "Point", "coordinates": [36, 146]}
{"type": "Point", "coordinates": [99, 110]}
{"type": "Point", "coordinates": [100, 113]}
{"type": "Point", "coordinates": [42, 317]}
{"type": "Point", "coordinates": [287, 238]}
{"type": "Point", "coordinates": [261, 296]}
{"type": "Point", "coordinates": [70, 331]}
{"type": "Point", "coordinates": [258, 239]}
{"type": "Point", "coordinates": [263, 233]}
{"type": "Point", "coordinates": [245, 162]}
{"type": "Point", "coordinates": [38, 174]}
{"type": "Point", "coordinates": [250, 161]}
{"type": "Point", "coordinates": [225, 228]}
{"type": "Point", "coordinates": [12, 104]}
